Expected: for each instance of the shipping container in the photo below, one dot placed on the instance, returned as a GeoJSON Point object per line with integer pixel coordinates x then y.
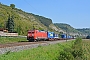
{"type": "Point", "coordinates": [70, 37]}
{"type": "Point", "coordinates": [63, 36]}
{"type": "Point", "coordinates": [50, 35]}
{"type": "Point", "coordinates": [56, 35]}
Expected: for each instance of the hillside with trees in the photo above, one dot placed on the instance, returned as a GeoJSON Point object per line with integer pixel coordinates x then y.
{"type": "Point", "coordinates": [85, 31]}
{"type": "Point", "coordinates": [68, 29]}
{"type": "Point", "coordinates": [24, 21]}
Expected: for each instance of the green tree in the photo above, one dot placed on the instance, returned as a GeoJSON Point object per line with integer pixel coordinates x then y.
{"type": "Point", "coordinates": [12, 6]}
{"type": "Point", "coordinates": [10, 24]}
{"type": "Point", "coordinates": [18, 29]}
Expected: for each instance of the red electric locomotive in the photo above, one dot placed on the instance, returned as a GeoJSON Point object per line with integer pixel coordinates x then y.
{"type": "Point", "coordinates": [35, 35]}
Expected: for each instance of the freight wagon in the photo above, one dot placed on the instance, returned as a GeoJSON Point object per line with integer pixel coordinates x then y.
{"type": "Point", "coordinates": [64, 36]}
{"type": "Point", "coordinates": [50, 35]}
{"type": "Point", "coordinates": [35, 35]}
{"type": "Point", "coordinates": [56, 36]}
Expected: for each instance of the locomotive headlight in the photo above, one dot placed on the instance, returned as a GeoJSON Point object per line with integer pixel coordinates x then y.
{"type": "Point", "coordinates": [32, 34]}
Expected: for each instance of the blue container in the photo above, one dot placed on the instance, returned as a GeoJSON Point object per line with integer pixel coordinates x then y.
{"type": "Point", "coordinates": [63, 36]}
{"type": "Point", "coordinates": [50, 35]}
{"type": "Point", "coordinates": [69, 37]}
{"type": "Point", "coordinates": [56, 36]}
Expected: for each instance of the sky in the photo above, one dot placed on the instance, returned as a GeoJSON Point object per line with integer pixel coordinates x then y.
{"type": "Point", "coordinates": [73, 12]}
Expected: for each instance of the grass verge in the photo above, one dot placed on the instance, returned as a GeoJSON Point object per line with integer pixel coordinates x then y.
{"type": "Point", "coordinates": [50, 52]}
{"type": "Point", "coordinates": [4, 40]}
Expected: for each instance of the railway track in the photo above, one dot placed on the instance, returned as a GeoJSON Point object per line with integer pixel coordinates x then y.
{"type": "Point", "coordinates": [14, 47]}
{"type": "Point", "coordinates": [26, 43]}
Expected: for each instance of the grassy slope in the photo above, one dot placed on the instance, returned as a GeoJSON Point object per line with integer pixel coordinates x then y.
{"type": "Point", "coordinates": [50, 52]}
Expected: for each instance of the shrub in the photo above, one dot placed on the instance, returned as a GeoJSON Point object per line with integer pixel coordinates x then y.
{"type": "Point", "coordinates": [65, 56]}
{"type": "Point", "coordinates": [77, 53]}
{"type": "Point", "coordinates": [73, 53]}
{"type": "Point", "coordinates": [77, 48]}
{"type": "Point", "coordinates": [78, 41]}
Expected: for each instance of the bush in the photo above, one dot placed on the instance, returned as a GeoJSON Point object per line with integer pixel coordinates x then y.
{"type": "Point", "coordinates": [77, 53]}
{"type": "Point", "coordinates": [77, 48]}
{"type": "Point", "coordinates": [65, 56]}
{"type": "Point", "coordinates": [74, 53]}
{"type": "Point", "coordinates": [78, 41]}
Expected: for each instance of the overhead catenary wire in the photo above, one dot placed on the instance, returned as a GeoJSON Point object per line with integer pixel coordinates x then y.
{"type": "Point", "coordinates": [31, 6]}
{"type": "Point", "coordinates": [28, 4]}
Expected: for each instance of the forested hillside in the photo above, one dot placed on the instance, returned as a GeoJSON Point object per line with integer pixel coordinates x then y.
{"type": "Point", "coordinates": [85, 31]}
{"type": "Point", "coordinates": [67, 28]}
{"type": "Point", "coordinates": [24, 21]}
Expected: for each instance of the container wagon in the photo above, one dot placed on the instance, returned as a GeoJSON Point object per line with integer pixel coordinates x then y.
{"type": "Point", "coordinates": [63, 36]}
{"type": "Point", "coordinates": [36, 35]}
{"type": "Point", "coordinates": [50, 35]}
{"type": "Point", "coordinates": [56, 37]}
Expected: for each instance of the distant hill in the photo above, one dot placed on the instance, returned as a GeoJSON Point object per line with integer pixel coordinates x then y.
{"type": "Point", "coordinates": [85, 31]}
{"type": "Point", "coordinates": [67, 28]}
{"type": "Point", "coordinates": [25, 21]}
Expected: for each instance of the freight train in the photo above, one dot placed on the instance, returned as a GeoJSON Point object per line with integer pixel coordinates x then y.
{"type": "Point", "coordinates": [37, 35]}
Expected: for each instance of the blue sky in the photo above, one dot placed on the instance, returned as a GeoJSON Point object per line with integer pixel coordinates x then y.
{"type": "Point", "coordinates": [73, 12]}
